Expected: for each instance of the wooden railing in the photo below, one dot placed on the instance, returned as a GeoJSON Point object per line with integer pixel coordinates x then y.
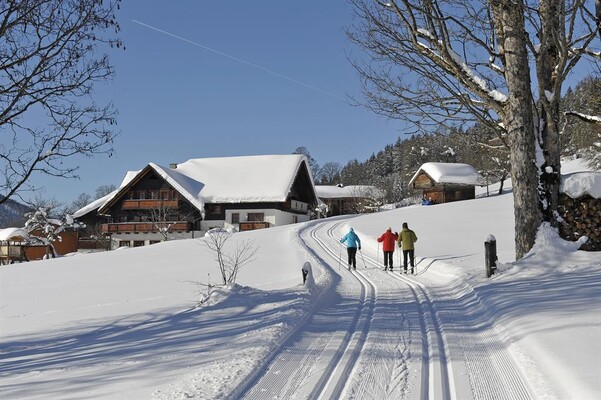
{"type": "Point", "coordinates": [148, 204]}
{"type": "Point", "coordinates": [144, 227]}
{"type": "Point", "coordinates": [249, 226]}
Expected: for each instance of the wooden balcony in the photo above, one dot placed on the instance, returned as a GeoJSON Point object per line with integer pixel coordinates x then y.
{"type": "Point", "coordinates": [143, 227]}
{"type": "Point", "coordinates": [148, 204]}
{"type": "Point", "coordinates": [249, 226]}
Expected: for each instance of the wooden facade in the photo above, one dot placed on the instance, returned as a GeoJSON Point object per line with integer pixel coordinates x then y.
{"type": "Point", "coordinates": [134, 208]}
{"type": "Point", "coordinates": [438, 193]}
{"type": "Point", "coordinates": [147, 203]}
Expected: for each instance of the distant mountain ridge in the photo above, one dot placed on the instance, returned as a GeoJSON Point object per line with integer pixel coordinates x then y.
{"type": "Point", "coordinates": [12, 213]}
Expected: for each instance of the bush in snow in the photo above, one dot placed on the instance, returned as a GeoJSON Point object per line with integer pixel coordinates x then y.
{"type": "Point", "coordinates": [229, 263]}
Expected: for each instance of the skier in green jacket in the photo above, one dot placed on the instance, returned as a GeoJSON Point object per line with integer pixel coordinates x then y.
{"type": "Point", "coordinates": [406, 240]}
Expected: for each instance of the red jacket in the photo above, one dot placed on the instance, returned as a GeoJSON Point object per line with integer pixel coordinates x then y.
{"type": "Point", "coordinates": [389, 240]}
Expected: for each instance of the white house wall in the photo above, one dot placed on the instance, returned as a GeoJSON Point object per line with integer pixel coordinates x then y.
{"type": "Point", "coordinates": [147, 238]}
{"type": "Point", "coordinates": [274, 217]}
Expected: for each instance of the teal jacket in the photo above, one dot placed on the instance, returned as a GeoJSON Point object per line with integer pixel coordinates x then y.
{"type": "Point", "coordinates": [351, 239]}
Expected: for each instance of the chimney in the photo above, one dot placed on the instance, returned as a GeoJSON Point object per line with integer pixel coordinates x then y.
{"type": "Point", "coordinates": [173, 165]}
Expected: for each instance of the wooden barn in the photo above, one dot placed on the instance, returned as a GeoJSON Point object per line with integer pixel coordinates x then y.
{"type": "Point", "coordinates": [352, 199]}
{"type": "Point", "coordinates": [446, 182]}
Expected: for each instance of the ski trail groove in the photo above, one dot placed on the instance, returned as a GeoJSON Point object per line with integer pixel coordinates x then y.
{"type": "Point", "coordinates": [436, 371]}
{"type": "Point", "coordinates": [493, 372]}
{"type": "Point", "coordinates": [315, 362]}
{"type": "Point", "coordinates": [382, 370]}
{"type": "Point", "coordinates": [341, 371]}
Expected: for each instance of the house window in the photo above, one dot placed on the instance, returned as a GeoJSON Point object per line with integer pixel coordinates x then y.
{"type": "Point", "coordinates": [214, 209]}
{"type": "Point", "coordinates": [235, 218]}
{"type": "Point", "coordinates": [294, 219]}
{"type": "Point", "coordinates": [256, 217]}
{"type": "Point", "coordinates": [154, 241]}
{"type": "Point", "coordinates": [138, 243]}
{"type": "Point", "coordinates": [124, 243]}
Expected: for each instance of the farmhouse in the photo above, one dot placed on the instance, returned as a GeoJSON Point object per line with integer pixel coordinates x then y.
{"type": "Point", "coordinates": [187, 199]}
{"type": "Point", "coordinates": [350, 199]}
{"type": "Point", "coordinates": [446, 182]}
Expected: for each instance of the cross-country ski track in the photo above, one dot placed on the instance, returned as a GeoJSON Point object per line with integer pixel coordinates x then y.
{"type": "Point", "coordinates": [386, 335]}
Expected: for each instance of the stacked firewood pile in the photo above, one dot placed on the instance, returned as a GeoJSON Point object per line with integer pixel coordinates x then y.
{"type": "Point", "coordinates": [581, 217]}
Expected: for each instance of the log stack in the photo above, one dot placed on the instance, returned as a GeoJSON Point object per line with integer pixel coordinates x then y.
{"type": "Point", "coordinates": [581, 217]}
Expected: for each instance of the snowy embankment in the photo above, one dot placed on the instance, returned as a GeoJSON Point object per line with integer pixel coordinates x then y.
{"type": "Point", "coordinates": [126, 324]}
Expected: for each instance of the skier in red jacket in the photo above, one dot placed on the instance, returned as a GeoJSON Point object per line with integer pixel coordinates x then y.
{"type": "Point", "coordinates": [388, 240]}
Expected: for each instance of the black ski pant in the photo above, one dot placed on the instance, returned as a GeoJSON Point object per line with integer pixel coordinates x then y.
{"type": "Point", "coordinates": [388, 259]}
{"type": "Point", "coordinates": [352, 259]}
{"type": "Point", "coordinates": [411, 254]}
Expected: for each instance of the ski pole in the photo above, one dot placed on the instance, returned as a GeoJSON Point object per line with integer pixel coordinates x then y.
{"type": "Point", "coordinates": [414, 268]}
{"type": "Point", "coordinates": [363, 258]}
{"type": "Point", "coordinates": [340, 257]}
{"type": "Point", "coordinates": [378, 255]}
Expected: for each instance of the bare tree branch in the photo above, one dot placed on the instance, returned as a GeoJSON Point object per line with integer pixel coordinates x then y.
{"type": "Point", "coordinates": [48, 67]}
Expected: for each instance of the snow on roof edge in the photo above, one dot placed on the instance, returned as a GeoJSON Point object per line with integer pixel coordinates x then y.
{"type": "Point", "coordinates": [165, 173]}
{"type": "Point", "coordinates": [450, 173]}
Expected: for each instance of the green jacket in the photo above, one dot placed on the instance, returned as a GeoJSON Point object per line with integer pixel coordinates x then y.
{"type": "Point", "coordinates": [407, 238]}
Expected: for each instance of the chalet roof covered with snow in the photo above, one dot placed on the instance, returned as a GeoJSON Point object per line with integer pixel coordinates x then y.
{"type": "Point", "coordinates": [247, 179]}
{"type": "Point", "coordinates": [456, 173]}
{"type": "Point", "coordinates": [351, 191]}
{"type": "Point", "coordinates": [95, 205]}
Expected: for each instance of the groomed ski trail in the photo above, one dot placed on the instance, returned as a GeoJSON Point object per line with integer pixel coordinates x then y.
{"type": "Point", "coordinates": [385, 335]}
{"type": "Point", "coordinates": [316, 361]}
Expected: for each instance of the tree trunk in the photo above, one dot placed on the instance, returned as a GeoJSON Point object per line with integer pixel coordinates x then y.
{"type": "Point", "coordinates": [519, 121]}
{"type": "Point", "coordinates": [549, 92]}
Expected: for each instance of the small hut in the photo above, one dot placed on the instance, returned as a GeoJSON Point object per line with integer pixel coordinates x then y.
{"type": "Point", "coordinates": [446, 182]}
{"type": "Point", "coordinates": [13, 243]}
{"type": "Point", "coordinates": [350, 199]}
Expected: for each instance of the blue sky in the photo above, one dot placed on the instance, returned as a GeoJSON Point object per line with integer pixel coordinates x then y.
{"type": "Point", "coordinates": [277, 77]}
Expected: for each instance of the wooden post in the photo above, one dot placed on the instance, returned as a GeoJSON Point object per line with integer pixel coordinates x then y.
{"type": "Point", "coordinates": [490, 255]}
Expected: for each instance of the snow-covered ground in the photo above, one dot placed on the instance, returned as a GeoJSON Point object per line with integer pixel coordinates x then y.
{"type": "Point", "coordinates": [127, 324]}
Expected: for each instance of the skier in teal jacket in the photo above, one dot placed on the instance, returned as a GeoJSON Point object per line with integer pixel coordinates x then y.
{"type": "Point", "coordinates": [352, 242]}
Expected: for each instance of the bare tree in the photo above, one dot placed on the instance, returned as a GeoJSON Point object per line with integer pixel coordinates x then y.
{"type": "Point", "coordinates": [103, 190]}
{"type": "Point", "coordinates": [313, 165]}
{"type": "Point", "coordinates": [48, 66]}
{"type": "Point", "coordinates": [164, 216]}
{"type": "Point", "coordinates": [82, 200]}
{"type": "Point", "coordinates": [231, 262]}
{"type": "Point", "coordinates": [454, 62]}
{"type": "Point", "coordinates": [330, 173]}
